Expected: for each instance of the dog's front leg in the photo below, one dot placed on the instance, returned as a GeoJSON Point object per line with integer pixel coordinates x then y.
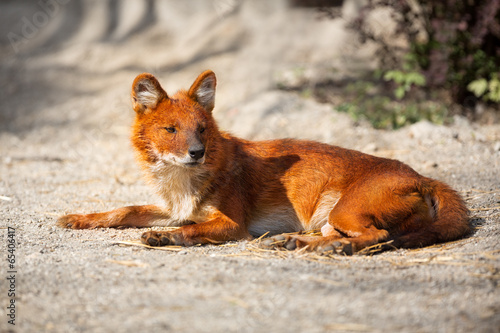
{"type": "Point", "coordinates": [218, 229]}
{"type": "Point", "coordinates": [131, 216]}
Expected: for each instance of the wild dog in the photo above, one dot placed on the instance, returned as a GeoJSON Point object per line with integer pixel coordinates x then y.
{"type": "Point", "coordinates": [220, 188]}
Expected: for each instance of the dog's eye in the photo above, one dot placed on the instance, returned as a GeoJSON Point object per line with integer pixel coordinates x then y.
{"type": "Point", "coordinates": [202, 129]}
{"type": "Point", "coordinates": [171, 129]}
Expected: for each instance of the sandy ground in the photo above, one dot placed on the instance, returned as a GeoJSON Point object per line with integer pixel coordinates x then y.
{"type": "Point", "coordinates": [64, 126]}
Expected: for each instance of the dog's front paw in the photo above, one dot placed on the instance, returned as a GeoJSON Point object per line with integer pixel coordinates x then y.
{"type": "Point", "coordinates": [76, 221]}
{"type": "Point", "coordinates": [155, 238]}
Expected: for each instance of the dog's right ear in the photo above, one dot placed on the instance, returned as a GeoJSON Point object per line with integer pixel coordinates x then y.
{"type": "Point", "coordinates": [147, 93]}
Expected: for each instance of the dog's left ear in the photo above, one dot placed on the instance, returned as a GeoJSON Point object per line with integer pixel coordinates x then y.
{"type": "Point", "coordinates": [203, 90]}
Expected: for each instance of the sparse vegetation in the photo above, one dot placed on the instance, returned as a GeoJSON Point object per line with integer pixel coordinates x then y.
{"type": "Point", "coordinates": [384, 112]}
{"type": "Point", "coordinates": [452, 46]}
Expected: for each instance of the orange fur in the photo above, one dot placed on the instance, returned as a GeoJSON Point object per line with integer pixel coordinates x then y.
{"type": "Point", "coordinates": [223, 188]}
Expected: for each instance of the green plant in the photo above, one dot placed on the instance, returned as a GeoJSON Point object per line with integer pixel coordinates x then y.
{"type": "Point", "coordinates": [489, 90]}
{"type": "Point", "coordinates": [404, 81]}
{"type": "Point", "coordinates": [363, 102]}
{"type": "Point", "coordinates": [452, 43]}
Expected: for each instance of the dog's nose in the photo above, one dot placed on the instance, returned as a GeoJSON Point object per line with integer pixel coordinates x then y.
{"type": "Point", "coordinates": [196, 152]}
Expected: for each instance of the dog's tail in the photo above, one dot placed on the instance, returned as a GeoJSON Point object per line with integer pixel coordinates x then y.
{"type": "Point", "coordinates": [450, 217]}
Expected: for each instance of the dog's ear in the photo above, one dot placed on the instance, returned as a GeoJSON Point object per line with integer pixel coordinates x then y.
{"type": "Point", "coordinates": [147, 93]}
{"type": "Point", "coordinates": [203, 90]}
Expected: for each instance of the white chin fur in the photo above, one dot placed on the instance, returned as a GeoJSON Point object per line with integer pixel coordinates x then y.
{"type": "Point", "coordinates": [186, 161]}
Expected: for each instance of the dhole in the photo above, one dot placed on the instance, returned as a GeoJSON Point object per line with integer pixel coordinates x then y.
{"type": "Point", "coordinates": [222, 188]}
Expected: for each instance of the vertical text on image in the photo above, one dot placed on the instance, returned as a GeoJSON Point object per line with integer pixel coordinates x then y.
{"type": "Point", "coordinates": [11, 275]}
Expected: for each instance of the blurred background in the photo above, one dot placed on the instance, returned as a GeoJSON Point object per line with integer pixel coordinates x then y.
{"type": "Point", "coordinates": [386, 63]}
{"type": "Point", "coordinates": [74, 61]}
